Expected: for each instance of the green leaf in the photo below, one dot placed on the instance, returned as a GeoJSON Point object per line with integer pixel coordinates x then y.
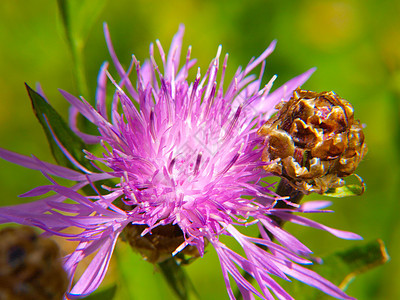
{"type": "Point", "coordinates": [177, 278]}
{"type": "Point", "coordinates": [348, 189]}
{"type": "Point", "coordinates": [342, 267]}
{"type": "Point", "coordinates": [104, 294]}
{"type": "Point", "coordinates": [48, 116]}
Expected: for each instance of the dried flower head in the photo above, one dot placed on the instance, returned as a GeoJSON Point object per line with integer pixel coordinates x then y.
{"type": "Point", "coordinates": [313, 141]}
{"type": "Point", "coordinates": [30, 266]}
{"type": "Point", "coordinates": [185, 160]}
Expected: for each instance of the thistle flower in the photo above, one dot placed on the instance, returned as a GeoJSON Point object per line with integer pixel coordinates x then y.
{"type": "Point", "coordinates": [188, 169]}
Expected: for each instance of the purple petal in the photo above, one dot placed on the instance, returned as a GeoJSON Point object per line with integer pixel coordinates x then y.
{"type": "Point", "coordinates": [261, 58]}
{"type": "Point", "coordinates": [101, 91]}
{"type": "Point", "coordinates": [73, 123]}
{"type": "Point", "coordinates": [314, 205]}
{"type": "Point", "coordinates": [313, 279]}
{"type": "Point", "coordinates": [26, 213]}
{"type": "Point", "coordinates": [117, 64]}
{"type": "Point", "coordinates": [286, 239]}
{"type": "Point", "coordinates": [95, 272]}
{"type": "Point", "coordinates": [64, 150]}
{"type": "Point", "coordinates": [174, 53]}
{"type": "Point", "coordinates": [36, 164]}
{"type": "Point", "coordinates": [81, 106]}
{"type": "Point", "coordinates": [306, 222]}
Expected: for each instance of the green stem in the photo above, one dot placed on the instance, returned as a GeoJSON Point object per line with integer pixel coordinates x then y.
{"type": "Point", "coordinates": [177, 279]}
{"type": "Point", "coordinates": [284, 189]}
{"type": "Point", "coordinates": [79, 67]}
{"type": "Point", "coordinates": [76, 47]}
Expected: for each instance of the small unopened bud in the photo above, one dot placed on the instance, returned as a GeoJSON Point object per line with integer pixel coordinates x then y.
{"type": "Point", "coordinates": [313, 141]}
{"type": "Point", "coordinates": [30, 266]}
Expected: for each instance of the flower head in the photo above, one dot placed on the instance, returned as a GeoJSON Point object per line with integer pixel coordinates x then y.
{"type": "Point", "coordinates": [187, 163]}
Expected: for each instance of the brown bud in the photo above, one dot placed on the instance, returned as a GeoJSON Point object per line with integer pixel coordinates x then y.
{"type": "Point", "coordinates": [313, 141]}
{"type": "Point", "coordinates": [158, 245]}
{"type": "Point", "coordinates": [30, 266]}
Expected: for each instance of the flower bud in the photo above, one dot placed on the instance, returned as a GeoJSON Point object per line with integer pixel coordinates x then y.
{"type": "Point", "coordinates": [313, 141]}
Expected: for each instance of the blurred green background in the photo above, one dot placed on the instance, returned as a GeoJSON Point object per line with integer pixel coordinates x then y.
{"type": "Point", "coordinates": [355, 44]}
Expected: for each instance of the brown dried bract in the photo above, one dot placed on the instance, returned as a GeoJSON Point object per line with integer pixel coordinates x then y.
{"type": "Point", "coordinates": [30, 266]}
{"type": "Point", "coordinates": [158, 245]}
{"type": "Point", "coordinates": [313, 141]}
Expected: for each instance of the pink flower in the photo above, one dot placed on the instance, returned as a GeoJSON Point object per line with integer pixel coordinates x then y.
{"type": "Point", "coordinates": [181, 154]}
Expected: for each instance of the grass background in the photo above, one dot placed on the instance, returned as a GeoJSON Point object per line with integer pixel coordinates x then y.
{"type": "Point", "coordinates": [355, 44]}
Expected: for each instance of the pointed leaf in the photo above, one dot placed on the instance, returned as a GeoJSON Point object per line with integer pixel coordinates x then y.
{"type": "Point", "coordinates": [342, 267]}
{"type": "Point", "coordinates": [48, 116]}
